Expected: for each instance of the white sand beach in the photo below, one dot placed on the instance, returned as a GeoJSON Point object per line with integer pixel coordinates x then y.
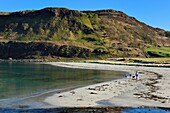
{"type": "Point", "coordinates": [152, 89]}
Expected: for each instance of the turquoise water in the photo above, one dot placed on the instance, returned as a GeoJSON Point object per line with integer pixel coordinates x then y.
{"type": "Point", "coordinates": [25, 79]}
{"type": "Point", "coordinates": [145, 110]}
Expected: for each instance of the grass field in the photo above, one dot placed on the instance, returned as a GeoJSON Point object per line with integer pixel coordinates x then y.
{"type": "Point", "coordinates": [157, 52]}
{"type": "Point", "coordinates": [159, 60]}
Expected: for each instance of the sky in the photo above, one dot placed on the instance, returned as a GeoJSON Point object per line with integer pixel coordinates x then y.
{"type": "Point", "coordinates": [155, 13]}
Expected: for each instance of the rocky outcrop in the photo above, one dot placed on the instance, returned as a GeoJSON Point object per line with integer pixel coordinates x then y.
{"type": "Point", "coordinates": [23, 50]}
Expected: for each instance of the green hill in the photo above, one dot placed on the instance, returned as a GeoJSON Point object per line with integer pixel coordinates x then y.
{"type": "Point", "coordinates": [104, 33]}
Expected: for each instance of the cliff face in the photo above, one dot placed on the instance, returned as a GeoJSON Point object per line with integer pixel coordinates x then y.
{"type": "Point", "coordinates": [108, 33]}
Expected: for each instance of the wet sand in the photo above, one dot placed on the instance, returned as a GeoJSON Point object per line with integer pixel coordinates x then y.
{"type": "Point", "coordinates": [152, 89]}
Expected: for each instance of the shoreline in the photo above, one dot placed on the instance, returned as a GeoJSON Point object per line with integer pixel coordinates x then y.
{"type": "Point", "coordinates": [166, 65]}
{"type": "Point", "coordinates": [151, 90]}
{"type": "Point", "coordinates": [91, 109]}
{"type": "Point", "coordinates": [111, 62]}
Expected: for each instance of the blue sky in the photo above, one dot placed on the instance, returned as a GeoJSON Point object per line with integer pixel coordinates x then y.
{"type": "Point", "coordinates": [152, 12]}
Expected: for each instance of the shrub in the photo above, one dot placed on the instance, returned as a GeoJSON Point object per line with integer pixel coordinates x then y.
{"type": "Point", "coordinates": [100, 51]}
{"type": "Point", "coordinates": [167, 33]}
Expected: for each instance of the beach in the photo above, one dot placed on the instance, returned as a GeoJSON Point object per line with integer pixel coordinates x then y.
{"type": "Point", "coordinates": [152, 89]}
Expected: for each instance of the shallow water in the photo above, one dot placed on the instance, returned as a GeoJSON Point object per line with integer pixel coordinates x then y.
{"type": "Point", "coordinates": [23, 80]}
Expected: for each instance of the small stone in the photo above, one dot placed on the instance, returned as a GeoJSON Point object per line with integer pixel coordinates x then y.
{"type": "Point", "coordinates": [79, 99]}
{"type": "Point", "coordinates": [72, 92]}
{"type": "Point", "coordinates": [163, 102]}
{"type": "Point", "coordinates": [60, 96]}
{"type": "Point", "coordinates": [93, 93]}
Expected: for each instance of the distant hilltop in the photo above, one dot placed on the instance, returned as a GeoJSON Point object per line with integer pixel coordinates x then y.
{"type": "Point", "coordinates": [85, 34]}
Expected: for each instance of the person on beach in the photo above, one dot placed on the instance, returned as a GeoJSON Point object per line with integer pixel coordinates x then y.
{"type": "Point", "coordinates": [137, 75]}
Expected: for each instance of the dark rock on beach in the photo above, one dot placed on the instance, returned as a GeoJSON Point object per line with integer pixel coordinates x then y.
{"type": "Point", "coordinates": [89, 110]}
